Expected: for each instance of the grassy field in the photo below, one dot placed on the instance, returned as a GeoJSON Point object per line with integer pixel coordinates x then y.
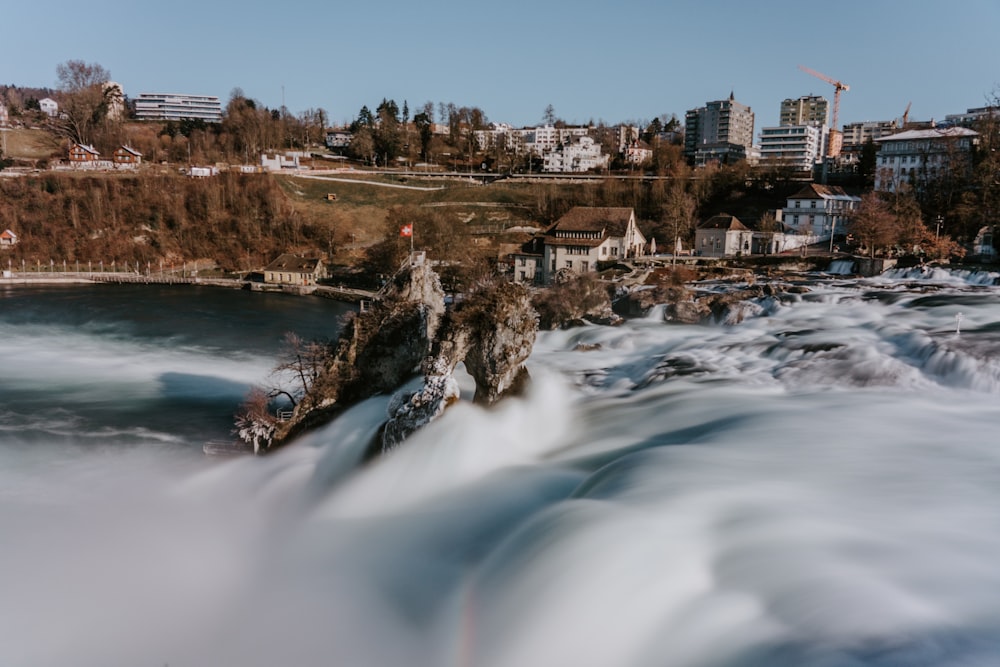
{"type": "Point", "coordinates": [362, 205]}
{"type": "Point", "coordinates": [25, 144]}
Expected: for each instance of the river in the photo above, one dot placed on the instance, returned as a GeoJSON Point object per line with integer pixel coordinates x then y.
{"type": "Point", "coordinates": [815, 485]}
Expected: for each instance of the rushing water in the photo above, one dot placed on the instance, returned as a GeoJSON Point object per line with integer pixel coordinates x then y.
{"type": "Point", "coordinates": [817, 485]}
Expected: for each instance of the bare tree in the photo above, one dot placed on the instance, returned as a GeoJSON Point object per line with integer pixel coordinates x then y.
{"type": "Point", "coordinates": [255, 425]}
{"type": "Point", "coordinates": [83, 102]}
{"type": "Point", "coordinates": [873, 223]}
{"type": "Point", "coordinates": [299, 364]}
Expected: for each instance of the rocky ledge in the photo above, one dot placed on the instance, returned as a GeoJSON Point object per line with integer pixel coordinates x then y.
{"type": "Point", "coordinates": [410, 331]}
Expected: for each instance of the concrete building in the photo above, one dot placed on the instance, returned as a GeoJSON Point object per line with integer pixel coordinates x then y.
{"type": "Point", "coordinates": [806, 110]}
{"type": "Point", "coordinates": [856, 135]}
{"type": "Point", "coordinates": [114, 97]}
{"type": "Point", "coordinates": [173, 106]}
{"type": "Point", "coordinates": [722, 235]}
{"type": "Point", "coordinates": [797, 147]}
{"type": "Point", "coordinates": [719, 131]}
{"type": "Point", "coordinates": [918, 157]}
{"type": "Point", "coordinates": [971, 117]}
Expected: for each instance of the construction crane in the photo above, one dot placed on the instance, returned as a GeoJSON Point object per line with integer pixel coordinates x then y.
{"type": "Point", "coordinates": [835, 137]}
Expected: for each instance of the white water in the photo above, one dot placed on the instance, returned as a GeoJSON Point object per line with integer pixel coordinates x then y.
{"type": "Point", "coordinates": [818, 485]}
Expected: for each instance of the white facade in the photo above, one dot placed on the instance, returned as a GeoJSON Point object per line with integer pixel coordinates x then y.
{"type": "Point", "coordinates": [818, 212]}
{"type": "Point", "coordinates": [580, 155]}
{"type": "Point", "coordinates": [4, 118]}
{"type": "Point", "coordinates": [799, 147]}
{"type": "Point", "coordinates": [919, 156]}
{"type": "Point", "coordinates": [48, 106]}
{"type": "Point", "coordinates": [279, 161]}
{"type": "Point", "coordinates": [585, 236]}
{"type": "Point", "coordinates": [173, 106]}
{"type": "Point", "coordinates": [540, 140]}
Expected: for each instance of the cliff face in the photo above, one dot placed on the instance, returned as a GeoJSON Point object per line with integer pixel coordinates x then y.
{"type": "Point", "coordinates": [410, 330]}
{"type": "Point", "coordinates": [493, 331]}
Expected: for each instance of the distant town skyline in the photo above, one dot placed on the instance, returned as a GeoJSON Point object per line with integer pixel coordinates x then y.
{"type": "Point", "coordinates": [627, 61]}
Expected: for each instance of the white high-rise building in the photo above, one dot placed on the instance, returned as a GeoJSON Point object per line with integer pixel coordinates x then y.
{"type": "Point", "coordinates": [797, 147]}
{"type": "Point", "coordinates": [171, 106]}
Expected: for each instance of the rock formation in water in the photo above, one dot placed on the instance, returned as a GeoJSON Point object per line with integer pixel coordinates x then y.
{"type": "Point", "coordinates": [410, 331]}
{"type": "Point", "coordinates": [574, 299]}
{"type": "Point", "coordinates": [492, 331]}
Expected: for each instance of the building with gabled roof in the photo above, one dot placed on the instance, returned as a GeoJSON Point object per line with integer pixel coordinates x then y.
{"type": "Point", "coordinates": [722, 235]}
{"type": "Point", "coordinates": [290, 269]}
{"type": "Point", "coordinates": [586, 235]}
{"type": "Point", "coordinates": [127, 157]}
{"type": "Point", "coordinates": [7, 239]}
{"type": "Point", "coordinates": [818, 211]}
{"type": "Point", "coordinates": [83, 155]}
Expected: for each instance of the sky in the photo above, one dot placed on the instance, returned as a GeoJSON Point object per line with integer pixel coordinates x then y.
{"type": "Point", "coordinates": [622, 61]}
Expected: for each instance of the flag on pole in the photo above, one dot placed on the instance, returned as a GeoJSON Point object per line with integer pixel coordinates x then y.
{"type": "Point", "coordinates": [406, 230]}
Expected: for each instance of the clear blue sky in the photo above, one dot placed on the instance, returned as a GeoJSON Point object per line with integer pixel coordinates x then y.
{"type": "Point", "coordinates": [613, 61]}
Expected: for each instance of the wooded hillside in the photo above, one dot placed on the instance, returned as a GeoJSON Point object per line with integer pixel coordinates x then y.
{"type": "Point", "coordinates": [237, 220]}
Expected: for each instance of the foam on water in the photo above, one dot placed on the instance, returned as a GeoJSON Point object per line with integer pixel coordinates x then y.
{"type": "Point", "coordinates": [816, 485]}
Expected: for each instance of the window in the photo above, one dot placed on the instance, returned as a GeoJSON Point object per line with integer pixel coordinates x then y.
{"type": "Point", "coordinates": [569, 264]}
{"type": "Point", "coordinates": [585, 266]}
{"type": "Point", "coordinates": [812, 204]}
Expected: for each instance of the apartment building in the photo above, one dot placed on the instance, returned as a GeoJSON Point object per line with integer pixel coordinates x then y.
{"type": "Point", "coordinates": [797, 147]}
{"type": "Point", "coordinates": [806, 110]}
{"type": "Point", "coordinates": [171, 106]}
{"type": "Point", "coordinates": [719, 131]}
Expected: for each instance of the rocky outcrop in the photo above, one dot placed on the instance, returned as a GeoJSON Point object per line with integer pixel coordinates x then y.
{"type": "Point", "coordinates": [493, 331]}
{"type": "Point", "coordinates": [409, 332]}
{"type": "Point", "coordinates": [378, 350]}
{"type": "Point", "coordinates": [574, 299]}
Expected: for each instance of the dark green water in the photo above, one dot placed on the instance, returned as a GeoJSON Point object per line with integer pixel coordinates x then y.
{"type": "Point", "coordinates": [139, 364]}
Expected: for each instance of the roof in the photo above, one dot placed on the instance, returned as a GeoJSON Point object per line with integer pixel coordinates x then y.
{"type": "Point", "coordinates": [932, 133]}
{"type": "Point", "coordinates": [293, 264]}
{"type": "Point", "coordinates": [7, 234]}
{"type": "Point", "coordinates": [815, 191]}
{"type": "Point", "coordinates": [87, 148]}
{"type": "Point", "coordinates": [594, 219]}
{"type": "Point", "coordinates": [724, 221]}
{"type": "Point", "coordinates": [129, 149]}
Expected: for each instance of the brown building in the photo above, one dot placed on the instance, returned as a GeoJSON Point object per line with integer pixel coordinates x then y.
{"type": "Point", "coordinates": [127, 157]}
{"type": "Point", "coordinates": [83, 154]}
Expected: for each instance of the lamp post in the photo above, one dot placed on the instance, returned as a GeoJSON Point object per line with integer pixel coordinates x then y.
{"type": "Point", "coordinates": [938, 222]}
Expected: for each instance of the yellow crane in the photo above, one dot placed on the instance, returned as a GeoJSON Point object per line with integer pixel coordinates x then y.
{"type": "Point", "coordinates": [835, 136]}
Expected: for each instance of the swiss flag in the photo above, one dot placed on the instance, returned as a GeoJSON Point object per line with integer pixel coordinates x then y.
{"type": "Point", "coordinates": [406, 230]}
